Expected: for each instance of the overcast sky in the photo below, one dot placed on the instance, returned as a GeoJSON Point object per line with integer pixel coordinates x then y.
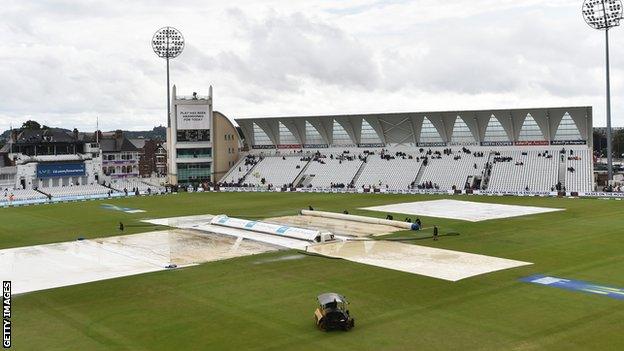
{"type": "Point", "coordinates": [65, 62]}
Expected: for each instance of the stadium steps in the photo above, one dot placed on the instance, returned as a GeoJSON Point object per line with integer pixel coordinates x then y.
{"type": "Point", "coordinates": [46, 194]}
{"type": "Point", "coordinates": [359, 171]}
{"type": "Point", "coordinates": [470, 180]}
{"type": "Point", "coordinates": [302, 173]}
{"type": "Point", "coordinates": [110, 187]}
{"type": "Point", "coordinates": [238, 164]}
{"type": "Point", "coordinates": [485, 181]}
{"type": "Point", "coordinates": [305, 181]}
{"type": "Point", "coordinates": [234, 168]}
{"type": "Point", "coordinates": [419, 175]}
{"type": "Point", "coordinates": [562, 172]}
{"type": "Point", "coordinates": [250, 171]}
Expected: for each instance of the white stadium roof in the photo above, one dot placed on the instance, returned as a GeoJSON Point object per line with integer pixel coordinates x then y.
{"type": "Point", "coordinates": [538, 126]}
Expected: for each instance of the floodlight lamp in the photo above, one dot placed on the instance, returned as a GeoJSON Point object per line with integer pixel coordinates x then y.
{"type": "Point", "coordinates": [168, 42]}
{"type": "Point", "coordinates": [602, 14]}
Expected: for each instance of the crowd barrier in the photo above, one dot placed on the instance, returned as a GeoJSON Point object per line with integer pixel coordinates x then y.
{"type": "Point", "coordinates": [325, 191]}
{"type": "Point", "coordinates": [419, 192]}
{"type": "Point", "coordinates": [60, 199]}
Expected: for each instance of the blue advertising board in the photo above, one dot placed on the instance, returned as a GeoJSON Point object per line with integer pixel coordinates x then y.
{"type": "Point", "coordinates": [47, 170]}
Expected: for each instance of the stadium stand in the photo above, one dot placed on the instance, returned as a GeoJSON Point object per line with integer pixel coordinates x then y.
{"type": "Point", "coordinates": [496, 151]}
{"type": "Point", "coordinates": [392, 172]}
{"type": "Point", "coordinates": [335, 171]}
{"type": "Point", "coordinates": [8, 195]}
{"type": "Point", "coordinates": [579, 172]}
{"type": "Point", "coordinates": [241, 169]}
{"type": "Point", "coordinates": [495, 169]}
{"type": "Point", "coordinates": [524, 170]}
{"type": "Point", "coordinates": [76, 190]}
{"type": "Point", "coordinates": [276, 170]}
{"type": "Point", "coordinates": [458, 169]}
{"type": "Point", "coordinates": [135, 184]}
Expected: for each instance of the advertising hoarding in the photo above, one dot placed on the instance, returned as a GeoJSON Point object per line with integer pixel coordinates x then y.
{"type": "Point", "coordinates": [48, 170]}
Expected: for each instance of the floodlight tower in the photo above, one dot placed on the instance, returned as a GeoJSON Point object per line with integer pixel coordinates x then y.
{"type": "Point", "coordinates": [168, 43]}
{"type": "Point", "coordinates": [604, 15]}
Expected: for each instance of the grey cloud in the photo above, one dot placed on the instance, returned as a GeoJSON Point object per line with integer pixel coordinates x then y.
{"type": "Point", "coordinates": [526, 49]}
{"type": "Point", "coordinates": [285, 49]}
{"type": "Point", "coordinates": [66, 61]}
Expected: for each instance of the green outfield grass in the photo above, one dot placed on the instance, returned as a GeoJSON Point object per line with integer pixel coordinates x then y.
{"type": "Point", "coordinates": [263, 303]}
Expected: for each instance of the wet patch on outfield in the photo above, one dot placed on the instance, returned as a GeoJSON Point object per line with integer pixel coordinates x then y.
{"type": "Point", "coordinates": [54, 265]}
{"type": "Point", "coordinates": [121, 209]}
{"type": "Point", "coordinates": [280, 259]}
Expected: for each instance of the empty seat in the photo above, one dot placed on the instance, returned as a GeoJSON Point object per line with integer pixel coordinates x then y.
{"type": "Point", "coordinates": [276, 170]}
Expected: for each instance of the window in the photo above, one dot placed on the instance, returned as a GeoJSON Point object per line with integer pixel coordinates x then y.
{"type": "Point", "coordinates": [461, 132]}
{"type": "Point", "coordinates": [495, 131]}
{"type": "Point", "coordinates": [286, 137]}
{"type": "Point", "coordinates": [194, 153]}
{"type": "Point", "coordinates": [340, 135]}
{"type": "Point", "coordinates": [429, 133]}
{"type": "Point", "coordinates": [567, 129]}
{"type": "Point", "coordinates": [369, 135]}
{"type": "Point", "coordinates": [193, 135]}
{"type": "Point", "coordinates": [260, 137]}
{"type": "Point", "coordinates": [312, 134]}
{"type": "Point", "coordinates": [193, 172]}
{"type": "Point", "coordinates": [530, 130]}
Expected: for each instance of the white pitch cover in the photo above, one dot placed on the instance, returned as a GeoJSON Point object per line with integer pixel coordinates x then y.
{"type": "Point", "coordinates": [262, 227]}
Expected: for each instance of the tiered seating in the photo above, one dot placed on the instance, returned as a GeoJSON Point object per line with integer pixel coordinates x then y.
{"type": "Point", "coordinates": [581, 179]}
{"type": "Point", "coordinates": [7, 195]}
{"type": "Point", "coordinates": [240, 169]}
{"type": "Point", "coordinates": [328, 171]}
{"type": "Point", "coordinates": [447, 172]}
{"type": "Point", "coordinates": [76, 190]}
{"type": "Point", "coordinates": [129, 184]}
{"type": "Point", "coordinates": [523, 172]}
{"type": "Point", "coordinates": [397, 173]}
{"type": "Point", "coordinates": [536, 168]}
{"type": "Point", "coordinates": [276, 170]}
